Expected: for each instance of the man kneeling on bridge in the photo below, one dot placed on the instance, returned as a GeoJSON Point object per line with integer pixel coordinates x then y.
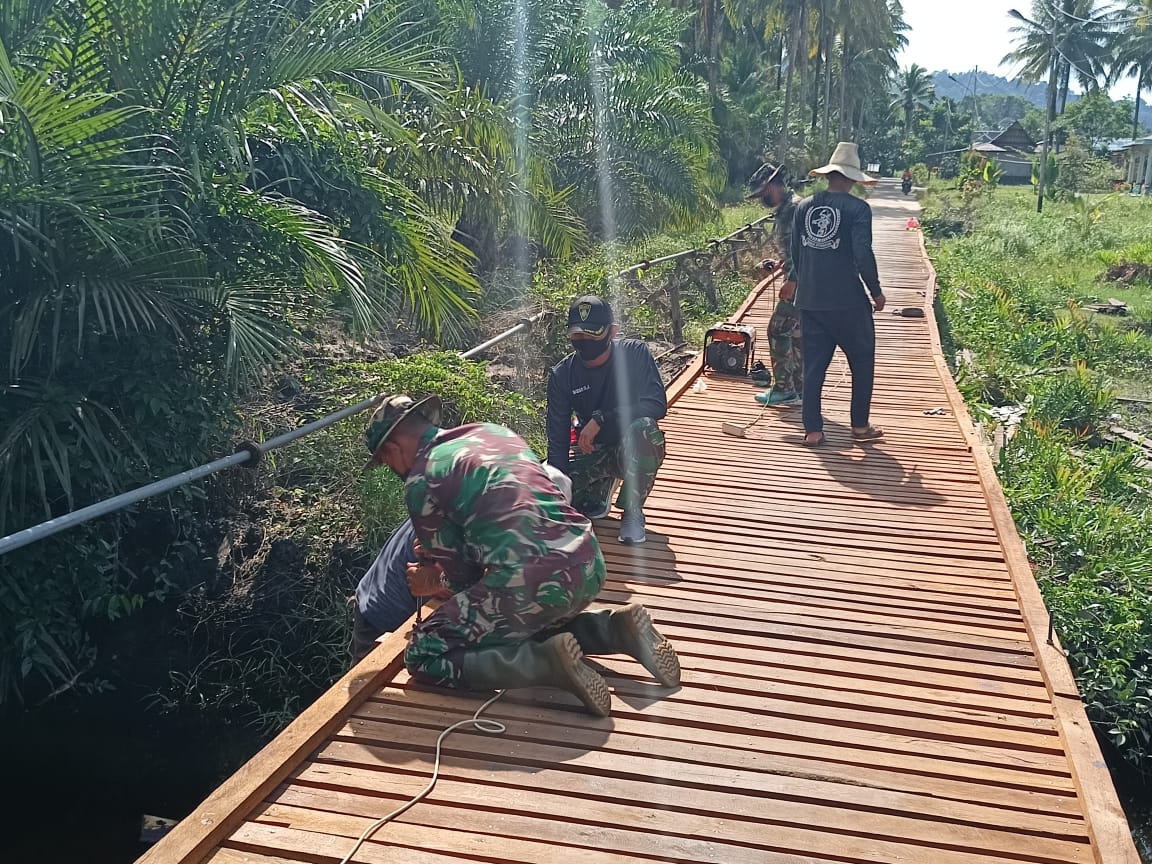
{"type": "Point", "coordinates": [514, 563]}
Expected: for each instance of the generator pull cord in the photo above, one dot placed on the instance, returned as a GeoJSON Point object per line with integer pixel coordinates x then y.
{"type": "Point", "coordinates": [491, 727]}
{"type": "Point", "coordinates": [738, 430]}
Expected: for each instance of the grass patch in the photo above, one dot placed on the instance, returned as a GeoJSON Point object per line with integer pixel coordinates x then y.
{"type": "Point", "coordinates": [1013, 288]}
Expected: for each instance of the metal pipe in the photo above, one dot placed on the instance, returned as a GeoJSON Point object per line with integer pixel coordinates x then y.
{"type": "Point", "coordinates": [667, 259]}
{"type": "Point", "coordinates": [119, 502]}
{"type": "Point", "coordinates": [524, 326]}
{"type": "Point", "coordinates": [250, 452]}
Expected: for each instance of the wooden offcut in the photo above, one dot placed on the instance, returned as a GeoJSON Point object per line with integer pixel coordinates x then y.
{"type": "Point", "coordinates": [867, 675]}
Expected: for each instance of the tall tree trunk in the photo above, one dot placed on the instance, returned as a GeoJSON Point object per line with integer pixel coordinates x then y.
{"type": "Point", "coordinates": [779, 60]}
{"type": "Point", "coordinates": [1049, 117]}
{"type": "Point", "coordinates": [1065, 80]}
{"type": "Point", "coordinates": [821, 60]}
{"type": "Point", "coordinates": [802, 57]}
{"type": "Point", "coordinates": [1136, 111]}
{"type": "Point", "coordinates": [843, 119]}
{"type": "Point", "coordinates": [789, 90]}
{"type": "Point", "coordinates": [714, 45]}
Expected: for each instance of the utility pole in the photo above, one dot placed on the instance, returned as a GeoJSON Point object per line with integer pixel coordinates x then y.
{"type": "Point", "coordinates": [1042, 183]}
{"type": "Point", "coordinates": [975, 109]}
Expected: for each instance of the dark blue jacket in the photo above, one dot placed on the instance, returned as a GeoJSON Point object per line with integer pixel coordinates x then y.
{"type": "Point", "coordinates": [382, 595]}
{"type": "Point", "coordinates": [625, 389]}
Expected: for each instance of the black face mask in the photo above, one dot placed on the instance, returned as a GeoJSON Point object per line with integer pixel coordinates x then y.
{"type": "Point", "coordinates": [589, 349]}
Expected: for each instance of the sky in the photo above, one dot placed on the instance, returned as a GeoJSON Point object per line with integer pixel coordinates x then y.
{"type": "Point", "coordinates": [941, 38]}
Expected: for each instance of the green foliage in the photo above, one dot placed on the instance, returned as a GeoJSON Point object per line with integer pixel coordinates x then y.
{"type": "Point", "coordinates": [1096, 120]}
{"type": "Point", "coordinates": [921, 174]}
{"type": "Point", "coordinates": [1082, 505]}
{"type": "Point", "coordinates": [1051, 175]}
{"type": "Point", "coordinates": [1079, 171]}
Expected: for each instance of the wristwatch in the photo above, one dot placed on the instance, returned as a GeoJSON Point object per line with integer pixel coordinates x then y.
{"type": "Point", "coordinates": [598, 416]}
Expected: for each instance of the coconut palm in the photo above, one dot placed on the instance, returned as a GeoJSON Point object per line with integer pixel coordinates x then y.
{"type": "Point", "coordinates": [1133, 52]}
{"type": "Point", "coordinates": [1059, 40]}
{"type": "Point", "coordinates": [914, 92]}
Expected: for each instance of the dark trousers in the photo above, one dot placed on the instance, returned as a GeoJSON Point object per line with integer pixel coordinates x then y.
{"type": "Point", "coordinates": [852, 331]}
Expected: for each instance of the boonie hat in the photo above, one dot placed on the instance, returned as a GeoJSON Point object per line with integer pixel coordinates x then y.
{"type": "Point", "coordinates": [762, 177]}
{"type": "Point", "coordinates": [389, 415]}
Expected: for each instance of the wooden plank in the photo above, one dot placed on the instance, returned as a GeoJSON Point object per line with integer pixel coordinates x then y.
{"type": "Point", "coordinates": [667, 811]}
{"type": "Point", "coordinates": [878, 836]}
{"type": "Point", "coordinates": [916, 773]}
{"type": "Point", "coordinates": [800, 726]}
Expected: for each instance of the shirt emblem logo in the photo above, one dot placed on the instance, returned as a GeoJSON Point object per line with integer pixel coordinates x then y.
{"type": "Point", "coordinates": [822, 228]}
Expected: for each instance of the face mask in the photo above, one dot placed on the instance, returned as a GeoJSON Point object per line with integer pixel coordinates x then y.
{"type": "Point", "coordinates": [590, 349]}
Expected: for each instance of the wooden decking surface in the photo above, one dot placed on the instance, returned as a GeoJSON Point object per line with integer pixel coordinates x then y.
{"type": "Point", "coordinates": [866, 676]}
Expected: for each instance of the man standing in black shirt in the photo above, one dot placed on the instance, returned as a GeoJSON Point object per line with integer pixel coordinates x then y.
{"type": "Point", "coordinates": [604, 401]}
{"type": "Point", "coordinates": [834, 263]}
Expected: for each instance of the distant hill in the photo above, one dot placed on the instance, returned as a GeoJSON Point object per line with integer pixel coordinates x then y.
{"type": "Point", "coordinates": [988, 84]}
{"type": "Point", "coordinates": [991, 84]}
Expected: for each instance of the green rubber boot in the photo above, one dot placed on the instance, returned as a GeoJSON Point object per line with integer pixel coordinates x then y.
{"type": "Point", "coordinates": [628, 630]}
{"type": "Point", "coordinates": [558, 662]}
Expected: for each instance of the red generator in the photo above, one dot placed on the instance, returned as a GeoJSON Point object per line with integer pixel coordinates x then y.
{"type": "Point", "coordinates": [730, 349]}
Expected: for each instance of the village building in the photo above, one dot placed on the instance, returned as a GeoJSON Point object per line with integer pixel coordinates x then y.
{"type": "Point", "coordinates": [1138, 155]}
{"type": "Point", "coordinates": [1012, 149]}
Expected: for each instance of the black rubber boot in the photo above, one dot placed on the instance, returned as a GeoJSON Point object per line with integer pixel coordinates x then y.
{"type": "Point", "coordinates": [628, 630]}
{"type": "Point", "coordinates": [557, 662]}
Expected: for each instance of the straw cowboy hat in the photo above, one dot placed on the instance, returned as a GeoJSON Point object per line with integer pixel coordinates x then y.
{"type": "Point", "coordinates": [846, 161]}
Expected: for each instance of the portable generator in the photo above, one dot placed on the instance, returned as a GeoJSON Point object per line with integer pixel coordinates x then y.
{"type": "Point", "coordinates": [730, 349]}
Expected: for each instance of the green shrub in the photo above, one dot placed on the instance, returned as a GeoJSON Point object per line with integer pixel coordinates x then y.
{"type": "Point", "coordinates": [1083, 506]}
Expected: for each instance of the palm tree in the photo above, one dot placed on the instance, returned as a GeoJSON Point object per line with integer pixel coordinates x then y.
{"type": "Point", "coordinates": [914, 92]}
{"type": "Point", "coordinates": [1056, 40]}
{"type": "Point", "coordinates": [1059, 40]}
{"type": "Point", "coordinates": [1133, 53]}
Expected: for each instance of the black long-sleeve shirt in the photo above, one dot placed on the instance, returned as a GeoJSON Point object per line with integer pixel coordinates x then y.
{"type": "Point", "coordinates": [624, 389]}
{"type": "Point", "coordinates": [832, 252]}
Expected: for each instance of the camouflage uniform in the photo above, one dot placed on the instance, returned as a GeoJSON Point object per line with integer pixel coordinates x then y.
{"type": "Point", "coordinates": [784, 342]}
{"type": "Point", "coordinates": [635, 461]}
{"type": "Point", "coordinates": [521, 561]}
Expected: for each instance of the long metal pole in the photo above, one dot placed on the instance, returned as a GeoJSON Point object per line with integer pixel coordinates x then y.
{"type": "Point", "coordinates": [253, 452]}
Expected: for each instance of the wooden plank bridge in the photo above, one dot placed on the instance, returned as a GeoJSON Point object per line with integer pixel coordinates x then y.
{"type": "Point", "coordinates": [867, 676]}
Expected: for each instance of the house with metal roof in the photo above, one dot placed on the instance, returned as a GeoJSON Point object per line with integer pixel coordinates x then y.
{"type": "Point", "coordinates": [1012, 148]}
{"type": "Point", "coordinates": [1138, 154]}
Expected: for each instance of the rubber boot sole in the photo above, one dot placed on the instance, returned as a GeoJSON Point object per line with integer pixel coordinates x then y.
{"type": "Point", "coordinates": [582, 680]}
{"type": "Point", "coordinates": [640, 640]}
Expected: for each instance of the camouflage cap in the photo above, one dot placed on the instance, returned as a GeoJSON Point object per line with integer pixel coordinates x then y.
{"type": "Point", "coordinates": [392, 410]}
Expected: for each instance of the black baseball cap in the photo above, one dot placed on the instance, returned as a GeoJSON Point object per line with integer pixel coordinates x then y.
{"type": "Point", "coordinates": [590, 315]}
{"type": "Point", "coordinates": [763, 176]}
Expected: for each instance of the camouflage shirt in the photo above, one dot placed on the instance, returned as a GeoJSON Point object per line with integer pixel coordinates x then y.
{"type": "Point", "coordinates": [784, 218]}
{"type": "Point", "coordinates": [484, 508]}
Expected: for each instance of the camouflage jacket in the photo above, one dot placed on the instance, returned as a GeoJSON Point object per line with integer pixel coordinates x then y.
{"type": "Point", "coordinates": [785, 214]}
{"type": "Point", "coordinates": [484, 508]}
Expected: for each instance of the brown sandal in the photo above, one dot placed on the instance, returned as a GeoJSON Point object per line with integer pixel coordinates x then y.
{"type": "Point", "coordinates": [872, 433]}
{"type": "Point", "coordinates": [819, 442]}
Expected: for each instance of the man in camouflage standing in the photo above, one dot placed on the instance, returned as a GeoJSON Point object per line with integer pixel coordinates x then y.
{"type": "Point", "coordinates": [769, 185]}
{"type": "Point", "coordinates": [515, 564]}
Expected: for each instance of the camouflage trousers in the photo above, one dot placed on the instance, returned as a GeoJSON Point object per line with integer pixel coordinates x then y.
{"type": "Point", "coordinates": [785, 346]}
{"type": "Point", "coordinates": [635, 461]}
{"type": "Point", "coordinates": [484, 616]}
